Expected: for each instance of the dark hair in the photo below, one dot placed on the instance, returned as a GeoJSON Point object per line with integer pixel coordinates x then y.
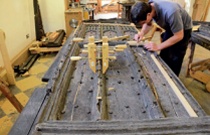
{"type": "Point", "coordinates": [139, 11]}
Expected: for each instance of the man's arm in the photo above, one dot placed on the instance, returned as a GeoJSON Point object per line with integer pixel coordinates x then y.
{"type": "Point", "coordinates": [145, 29]}
{"type": "Point", "coordinates": [171, 41]}
{"type": "Point", "coordinates": [178, 36]}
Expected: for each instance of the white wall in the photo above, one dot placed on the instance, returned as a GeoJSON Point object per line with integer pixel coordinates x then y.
{"type": "Point", "coordinates": [52, 12]}
{"type": "Point", "coordinates": [16, 20]}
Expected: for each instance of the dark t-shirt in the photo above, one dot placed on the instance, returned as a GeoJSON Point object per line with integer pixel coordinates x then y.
{"type": "Point", "coordinates": [171, 16]}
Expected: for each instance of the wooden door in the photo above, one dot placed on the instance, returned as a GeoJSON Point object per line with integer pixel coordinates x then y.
{"type": "Point", "coordinates": [200, 9]}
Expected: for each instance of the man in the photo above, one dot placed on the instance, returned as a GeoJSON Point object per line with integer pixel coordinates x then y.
{"type": "Point", "coordinates": [177, 24]}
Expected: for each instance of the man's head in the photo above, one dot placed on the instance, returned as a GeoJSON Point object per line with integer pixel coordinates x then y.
{"type": "Point", "coordinates": [141, 13]}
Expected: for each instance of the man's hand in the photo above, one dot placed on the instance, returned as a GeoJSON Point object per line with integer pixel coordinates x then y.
{"type": "Point", "coordinates": [138, 37]}
{"type": "Point", "coordinates": [152, 46]}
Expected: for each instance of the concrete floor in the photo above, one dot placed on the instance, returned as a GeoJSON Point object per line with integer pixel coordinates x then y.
{"type": "Point", "coordinates": [25, 86]}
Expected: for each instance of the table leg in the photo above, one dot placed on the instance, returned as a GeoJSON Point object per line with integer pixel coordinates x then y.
{"type": "Point", "coordinates": [10, 96]}
{"type": "Point", "coordinates": [192, 50]}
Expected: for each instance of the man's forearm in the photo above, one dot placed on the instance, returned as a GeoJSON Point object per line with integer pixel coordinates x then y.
{"type": "Point", "coordinates": [178, 36]}
{"type": "Point", "coordinates": [145, 29]}
{"type": "Point", "coordinates": [171, 41]}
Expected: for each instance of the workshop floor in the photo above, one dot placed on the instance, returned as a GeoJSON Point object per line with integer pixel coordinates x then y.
{"type": "Point", "coordinates": [25, 86]}
{"type": "Point", "coordinates": [22, 90]}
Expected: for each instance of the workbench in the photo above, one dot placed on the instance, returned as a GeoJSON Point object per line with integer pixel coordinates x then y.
{"type": "Point", "coordinates": [138, 94]}
{"type": "Point", "coordinates": [200, 70]}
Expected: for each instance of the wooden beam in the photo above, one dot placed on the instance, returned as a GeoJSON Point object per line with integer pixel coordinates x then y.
{"type": "Point", "coordinates": [135, 43]}
{"type": "Point", "coordinates": [180, 96]}
{"type": "Point", "coordinates": [202, 77]}
{"type": "Point", "coordinates": [105, 54]}
{"type": "Point", "coordinates": [115, 38]}
{"type": "Point", "coordinates": [92, 54]}
{"type": "Point", "coordinates": [37, 50]}
{"type": "Point", "coordinates": [6, 59]}
{"type": "Point", "coordinates": [192, 51]}
{"type": "Point", "coordinates": [7, 93]}
{"type": "Point", "coordinates": [200, 65]}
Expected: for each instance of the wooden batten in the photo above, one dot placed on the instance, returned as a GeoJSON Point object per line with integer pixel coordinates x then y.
{"type": "Point", "coordinates": [6, 60]}
{"type": "Point", "coordinates": [17, 60]}
{"type": "Point", "coordinates": [22, 56]}
{"type": "Point", "coordinates": [10, 96]}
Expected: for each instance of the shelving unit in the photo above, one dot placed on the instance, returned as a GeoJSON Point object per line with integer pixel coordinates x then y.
{"type": "Point", "coordinates": [72, 13]}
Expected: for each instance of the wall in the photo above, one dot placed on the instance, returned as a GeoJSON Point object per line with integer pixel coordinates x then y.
{"type": "Point", "coordinates": [16, 20]}
{"type": "Point", "coordinates": [52, 12]}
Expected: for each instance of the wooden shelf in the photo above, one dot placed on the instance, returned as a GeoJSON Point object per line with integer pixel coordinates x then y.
{"type": "Point", "coordinates": [73, 13]}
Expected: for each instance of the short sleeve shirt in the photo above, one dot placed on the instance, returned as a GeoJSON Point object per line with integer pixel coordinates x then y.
{"type": "Point", "coordinates": [171, 16]}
